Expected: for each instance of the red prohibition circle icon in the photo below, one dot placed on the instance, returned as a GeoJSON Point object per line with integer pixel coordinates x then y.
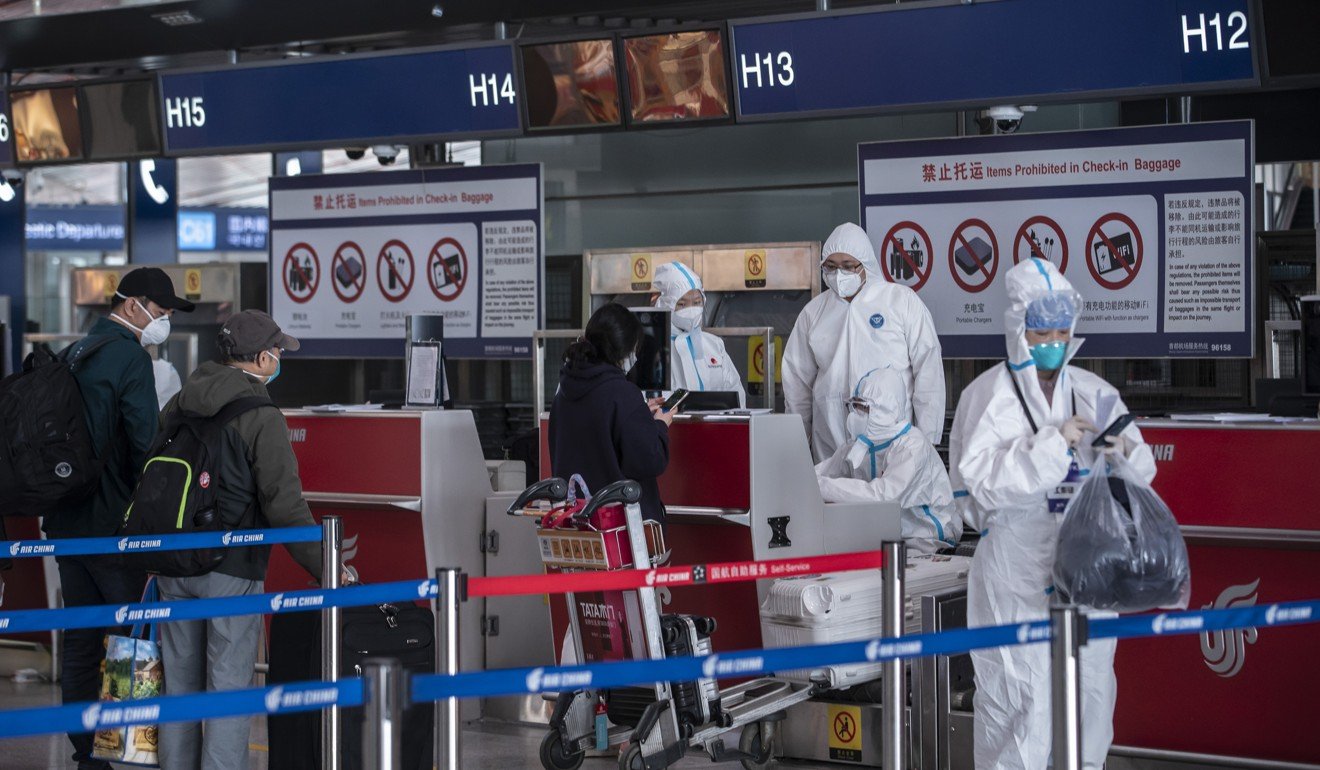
{"type": "Point", "coordinates": [844, 728]}
{"type": "Point", "coordinates": [395, 270]}
{"type": "Point", "coordinates": [1114, 256]}
{"type": "Point", "coordinates": [447, 269]}
{"type": "Point", "coordinates": [348, 272]}
{"type": "Point", "coordinates": [301, 272]}
{"type": "Point", "coordinates": [973, 260]}
{"type": "Point", "coordinates": [1042, 238]}
{"type": "Point", "coordinates": [907, 259]}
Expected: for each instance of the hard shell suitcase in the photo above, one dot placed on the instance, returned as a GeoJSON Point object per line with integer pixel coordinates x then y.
{"type": "Point", "coordinates": [403, 631]}
{"type": "Point", "coordinates": [697, 702]}
{"type": "Point", "coordinates": [846, 606]}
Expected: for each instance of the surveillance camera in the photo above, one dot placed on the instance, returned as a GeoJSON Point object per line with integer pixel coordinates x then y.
{"type": "Point", "coordinates": [1006, 118]}
{"type": "Point", "coordinates": [355, 153]}
{"type": "Point", "coordinates": [13, 177]}
{"type": "Point", "coordinates": [386, 154]}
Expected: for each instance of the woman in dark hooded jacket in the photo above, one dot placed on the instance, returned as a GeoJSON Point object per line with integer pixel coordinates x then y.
{"type": "Point", "coordinates": [601, 425]}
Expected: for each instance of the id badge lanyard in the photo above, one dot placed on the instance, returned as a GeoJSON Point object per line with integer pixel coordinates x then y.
{"type": "Point", "coordinates": [1059, 497]}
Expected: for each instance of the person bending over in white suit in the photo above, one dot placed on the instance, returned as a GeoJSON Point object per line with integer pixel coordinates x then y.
{"type": "Point", "coordinates": [1020, 447]}
{"type": "Point", "coordinates": [861, 323]}
{"type": "Point", "coordinates": [697, 358]}
{"type": "Point", "coordinates": [888, 461]}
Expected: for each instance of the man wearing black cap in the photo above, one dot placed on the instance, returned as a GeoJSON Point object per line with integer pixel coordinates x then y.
{"type": "Point", "coordinates": [259, 488]}
{"type": "Point", "coordinates": [119, 399]}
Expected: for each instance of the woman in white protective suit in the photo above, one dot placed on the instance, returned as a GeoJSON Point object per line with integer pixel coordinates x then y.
{"type": "Point", "coordinates": [1020, 445]}
{"type": "Point", "coordinates": [698, 359]}
{"type": "Point", "coordinates": [861, 323]}
{"type": "Point", "coordinates": [888, 461]}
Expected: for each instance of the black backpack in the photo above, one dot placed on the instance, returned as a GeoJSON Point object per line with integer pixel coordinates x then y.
{"type": "Point", "coordinates": [46, 455]}
{"type": "Point", "coordinates": [178, 489]}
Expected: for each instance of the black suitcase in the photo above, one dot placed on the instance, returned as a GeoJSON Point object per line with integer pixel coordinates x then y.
{"type": "Point", "coordinates": [696, 702]}
{"type": "Point", "coordinates": [403, 631]}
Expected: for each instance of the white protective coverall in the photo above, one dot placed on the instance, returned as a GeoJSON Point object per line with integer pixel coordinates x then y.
{"type": "Point", "coordinates": [835, 342]}
{"type": "Point", "coordinates": [697, 358]}
{"type": "Point", "coordinates": [167, 380]}
{"type": "Point", "coordinates": [891, 462]}
{"type": "Point", "coordinates": [1004, 476]}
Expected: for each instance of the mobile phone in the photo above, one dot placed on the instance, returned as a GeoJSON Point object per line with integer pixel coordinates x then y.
{"type": "Point", "coordinates": [674, 400]}
{"type": "Point", "coordinates": [1116, 427]}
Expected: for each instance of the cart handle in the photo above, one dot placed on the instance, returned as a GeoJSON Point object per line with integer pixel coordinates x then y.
{"type": "Point", "coordinates": [625, 491]}
{"type": "Point", "coordinates": [554, 490]}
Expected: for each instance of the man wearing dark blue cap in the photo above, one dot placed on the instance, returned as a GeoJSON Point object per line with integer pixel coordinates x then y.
{"type": "Point", "coordinates": [119, 399]}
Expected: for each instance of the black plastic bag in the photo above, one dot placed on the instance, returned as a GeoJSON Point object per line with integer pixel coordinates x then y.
{"type": "Point", "coordinates": [1119, 546]}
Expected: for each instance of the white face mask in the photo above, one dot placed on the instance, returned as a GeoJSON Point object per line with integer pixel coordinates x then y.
{"type": "Point", "coordinates": [155, 332]}
{"type": "Point", "coordinates": [687, 319]}
{"type": "Point", "coordinates": [628, 363]}
{"type": "Point", "coordinates": [843, 283]}
{"type": "Point", "coordinates": [856, 424]}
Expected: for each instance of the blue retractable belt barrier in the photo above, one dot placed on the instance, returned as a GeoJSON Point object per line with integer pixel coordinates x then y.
{"type": "Point", "coordinates": [109, 615]}
{"type": "Point", "coordinates": [86, 717]}
{"type": "Point", "coordinates": [306, 696]}
{"type": "Point", "coordinates": [91, 546]}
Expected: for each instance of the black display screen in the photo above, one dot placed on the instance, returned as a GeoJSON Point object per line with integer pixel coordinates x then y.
{"type": "Point", "coordinates": [122, 119]}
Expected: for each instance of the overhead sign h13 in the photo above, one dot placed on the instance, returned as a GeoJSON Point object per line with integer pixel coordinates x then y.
{"type": "Point", "coordinates": [343, 101]}
{"type": "Point", "coordinates": [353, 255]}
{"type": "Point", "coordinates": [922, 55]}
{"type": "Point", "coordinates": [1152, 226]}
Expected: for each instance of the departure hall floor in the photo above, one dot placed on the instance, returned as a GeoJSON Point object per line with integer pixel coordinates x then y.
{"type": "Point", "coordinates": [486, 746]}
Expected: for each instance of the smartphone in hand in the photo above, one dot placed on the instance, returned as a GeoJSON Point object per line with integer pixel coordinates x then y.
{"type": "Point", "coordinates": [675, 398]}
{"type": "Point", "coordinates": [1116, 427]}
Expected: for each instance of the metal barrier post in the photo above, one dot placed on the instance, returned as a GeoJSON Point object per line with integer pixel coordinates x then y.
{"type": "Point", "coordinates": [1067, 629]}
{"type": "Point", "coordinates": [332, 542]}
{"type": "Point", "coordinates": [448, 730]}
{"type": "Point", "coordinates": [892, 749]}
{"type": "Point", "coordinates": [385, 691]}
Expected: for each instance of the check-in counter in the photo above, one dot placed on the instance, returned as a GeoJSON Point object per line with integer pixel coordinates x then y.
{"type": "Point", "coordinates": [1247, 496]}
{"type": "Point", "coordinates": [742, 488]}
{"type": "Point", "coordinates": [411, 487]}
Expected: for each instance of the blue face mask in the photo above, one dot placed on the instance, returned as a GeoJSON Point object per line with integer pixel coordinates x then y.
{"type": "Point", "coordinates": [1049, 355]}
{"type": "Point", "coordinates": [278, 364]}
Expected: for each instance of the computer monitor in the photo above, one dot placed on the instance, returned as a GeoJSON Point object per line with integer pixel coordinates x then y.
{"type": "Point", "coordinates": [711, 401]}
{"type": "Point", "coordinates": [651, 373]}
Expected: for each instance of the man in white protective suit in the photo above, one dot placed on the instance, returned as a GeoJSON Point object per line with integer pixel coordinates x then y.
{"type": "Point", "coordinates": [1020, 447]}
{"type": "Point", "coordinates": [890, 462]}
{"type": "Point", "coordinates": [861, 323]}
{"type": "Point", "coordinates": [697, 358]}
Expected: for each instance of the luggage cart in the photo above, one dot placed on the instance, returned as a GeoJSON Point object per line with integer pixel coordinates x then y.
{"type": "Point", "coordinates": [701, 714]}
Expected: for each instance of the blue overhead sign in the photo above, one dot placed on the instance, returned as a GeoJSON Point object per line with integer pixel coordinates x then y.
{"type": "Point", "coordinates": [223, 229]}
{"type": "Point", "coordinates": [342, 101]}
{"type": "Point", "coordinates": [989, 52]}
{"type": "Point", "coordinates": [75, 228]}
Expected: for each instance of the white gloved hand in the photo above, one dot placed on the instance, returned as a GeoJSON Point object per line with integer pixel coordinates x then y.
{"type": "Point", "coordinates": [1117, 445]}
{"type": "Point", "coordinates": [1073, 429]}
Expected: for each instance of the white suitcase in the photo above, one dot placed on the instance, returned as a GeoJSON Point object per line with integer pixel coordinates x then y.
{"type": "Point", "coordinates": [846, 606]}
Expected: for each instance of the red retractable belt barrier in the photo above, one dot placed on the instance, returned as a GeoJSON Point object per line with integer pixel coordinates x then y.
{"type": "Point", "coordinates": [692, 574]}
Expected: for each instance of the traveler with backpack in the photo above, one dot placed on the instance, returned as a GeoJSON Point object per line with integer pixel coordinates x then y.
{"type": "Point", "coordinates": [118, 395]}
{"type": "Point", "coordinates": [243, 476]}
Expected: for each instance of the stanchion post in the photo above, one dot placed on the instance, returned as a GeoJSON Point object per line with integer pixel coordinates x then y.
{"type": "Point", "coordinates": [448, 730]}
{"type": "Point", "coordinates": [385, 691]}
{"type": "Point", "coordinates": [1067, 629]}
{"type": "Point", "coordinates": [332, 542]}
{"type": "Point", "coordinates": [893, 702]}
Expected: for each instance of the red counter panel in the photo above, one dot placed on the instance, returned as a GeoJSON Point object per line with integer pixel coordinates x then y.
{"type": "Point", "coordinates": [1260, 703]}
{"type": "Point", "coordinates": [358, 455]}
{"type": "Point", "coordinates": [1238, 477]}
{"type": "Point", "coordinates": [25, 584]}
{"type": "Point", "coordinates": [396, 550]}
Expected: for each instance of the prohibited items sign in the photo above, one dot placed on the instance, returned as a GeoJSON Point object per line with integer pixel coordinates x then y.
{"type": "Point", "coordinates": [447, 269]}
{"type": "Point", "coordinates": [349, 268]}
{"type": "Point", "coordinates": [973, 255]}
{"type": "Point", "coordinates": [1041, 238]}
{"type": "Point", "coordinates": [395, 270]}
{"type": "Point", "coordinates": [301, 272]}
{"type": "Point", "coordinates": [1114, 251]}
{"type": "Point", "coordinates": [906, 255]}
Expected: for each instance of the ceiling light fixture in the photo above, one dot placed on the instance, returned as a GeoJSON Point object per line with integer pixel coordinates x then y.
{"type": "Point", "coordinates": [437, 10]}
{"type": "Point", "coordinates": [177, 18]}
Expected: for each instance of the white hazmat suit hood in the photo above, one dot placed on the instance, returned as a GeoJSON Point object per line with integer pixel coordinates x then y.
{"type": "Point", "coordinates": [836, 341]}
{"type": "Point", "coordinates": [889, 461]}
{"type": "Point", "coordinates": [1008, 463]}
{"type": "Point", "coordinates": [698, 359]}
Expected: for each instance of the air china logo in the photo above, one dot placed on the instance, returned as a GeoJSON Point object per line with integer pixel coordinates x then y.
{"type": "Point", "coordinates": [121, 615]}
{"type": "Point", "coordinates": [230, 538]}
{"type": "Point", "coordinates": [1163, 624]}
{"type": "Point", "coordinates": [91, 717]}
{"type": "Point", "coordinates": [13, 549]}
{"type": "Point", "coordinates": [1027, 633]}
{"type": "Point", "coordinates": [227, 538]}
{"type": "Point", "coordinates": [123, 544]}
{"type": "Point", "coordinates": [878, 650]}
{"type": "Point", "coordinates": [1277, 614]}
{"type": "Point", "coordinates": [650, 577]}
{"type": "Point", "coordinates": [297, 435]}
{"type": "Point", "coordinates": [273, 700]}
{"type": "Point", "coordinates": [276, 602]}
{"type": "Point", "coordinates": [427, 589]}
{"type": "Point", "coordinates": [539, 679]}
{"type": "Point", "coordinates": [1225, 651]}
{"type": "Point", "coordinates": [715, 667]}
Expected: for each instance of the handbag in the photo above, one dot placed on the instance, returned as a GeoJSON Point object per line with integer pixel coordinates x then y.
{"type": "Point", "coordinates": [132, 670]}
